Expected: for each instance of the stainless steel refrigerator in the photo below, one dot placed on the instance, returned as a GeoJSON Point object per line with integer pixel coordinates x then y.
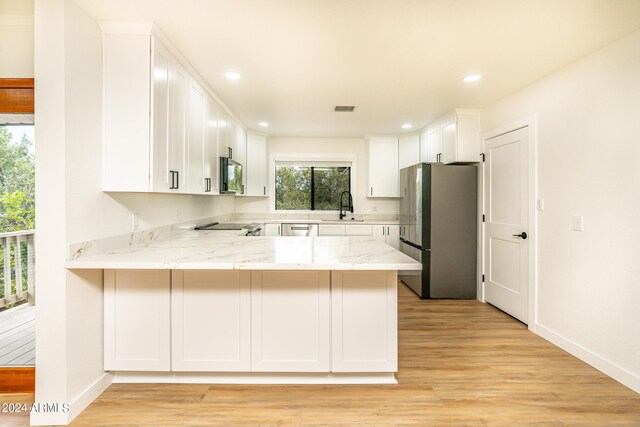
{"type": "Point", "coordinates": [438, 227]}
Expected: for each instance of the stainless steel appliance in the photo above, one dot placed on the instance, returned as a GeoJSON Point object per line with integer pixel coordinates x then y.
{"type": "Point", "coordinates": [438, 227]}
{"type": "Point", "coordinates": [230, 176]}
{"type": "Point", "coordinates": [300, 230]}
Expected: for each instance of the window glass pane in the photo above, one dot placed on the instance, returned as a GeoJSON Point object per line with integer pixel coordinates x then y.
{"type": "Point", "coordinates": [329, 183]}
{"type": "Point", "coordinates": [293, 188]}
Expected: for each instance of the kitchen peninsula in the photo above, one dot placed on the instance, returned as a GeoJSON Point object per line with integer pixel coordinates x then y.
{"type": "Point", "coordinates": [200, 307]}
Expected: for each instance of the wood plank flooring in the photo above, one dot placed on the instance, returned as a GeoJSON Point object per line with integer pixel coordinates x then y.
{"type": "Point", "coordinates": [460, 363]}
{"type": "Point", "coordinates": [18, 336]}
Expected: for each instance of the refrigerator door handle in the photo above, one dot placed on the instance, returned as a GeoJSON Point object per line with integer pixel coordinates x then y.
{"type": "Point", "coordinates": [413, 245]}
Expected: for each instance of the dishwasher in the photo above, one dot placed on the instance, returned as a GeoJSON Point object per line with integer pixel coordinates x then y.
{"type": "Point", "coordinates": [300, 230]}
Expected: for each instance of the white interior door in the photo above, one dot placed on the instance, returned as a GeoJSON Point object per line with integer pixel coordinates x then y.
{"type": "Point", "coordinates": [506, 227]}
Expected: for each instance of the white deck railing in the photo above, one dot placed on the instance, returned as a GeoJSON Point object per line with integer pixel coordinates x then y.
{"type": "Point", "coordinates": [17, 267]}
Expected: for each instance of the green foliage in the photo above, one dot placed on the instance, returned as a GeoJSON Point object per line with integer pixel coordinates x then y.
{"type": "Point", "coordinates": [293, 187]}
{"type": "Point", "coordinates": [329, 183]}
{"type": "Point", "coordinates": [17, 184]}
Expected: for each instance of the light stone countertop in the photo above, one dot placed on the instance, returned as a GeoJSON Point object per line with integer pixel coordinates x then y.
{"type": "Point", "coordinates": [213, 250]}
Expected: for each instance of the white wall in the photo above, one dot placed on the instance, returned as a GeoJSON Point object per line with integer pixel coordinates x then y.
{"type": "Point", "coordinates": [71, 207]}
{"type": "Point", "coordinates": [324, 148]}
{"type": "Point", "coordinates": [16, 38]}
{"type": "Point", "coordinates": [588, 164]}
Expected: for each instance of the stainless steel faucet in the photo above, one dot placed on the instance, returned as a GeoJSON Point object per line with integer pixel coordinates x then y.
{"type": "Point", "coordinates": [349, 205]}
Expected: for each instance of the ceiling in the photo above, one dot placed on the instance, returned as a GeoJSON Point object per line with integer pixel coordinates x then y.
{"type": "Point", "coordinates": [398, 61]}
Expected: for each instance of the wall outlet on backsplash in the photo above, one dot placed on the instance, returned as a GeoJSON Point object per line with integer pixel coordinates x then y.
{"type": "Point", "coordinates": [135, 222]}
{"type": "Point", "coordinates": [179, 215]}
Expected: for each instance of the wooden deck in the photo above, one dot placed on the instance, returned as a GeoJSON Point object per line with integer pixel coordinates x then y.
{"type": "Point", "coordinates": [18, 336]}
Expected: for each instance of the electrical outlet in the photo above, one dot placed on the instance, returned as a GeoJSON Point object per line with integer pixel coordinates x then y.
{"type": "Point", "coordinates": [179, 215]}
{"type": "Point", "coordinates": [135, 222]}
{"type": "Point", "coordinates": [540, 204]}
{"type": "Point", "coordinates": [578, 223]}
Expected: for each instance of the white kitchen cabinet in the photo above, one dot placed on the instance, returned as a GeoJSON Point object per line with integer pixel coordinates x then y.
{"type": "Point", "coordinates": [211, 161]}
{"type": "Point", "coordinates": [290, 321]}
{"type": "Point", "coordinates": [257, 174]}
{"type": "Point", "coordinates": [358, 230]}
{"type": "Point", "coordinates": [169, 119]}
{"type": "Point", "coordinates": [162, 132]}
{"type": "Point", "coordinates": [408, 150]}
{"type": "Point", "coordinates": [198, 175]}
{"type": "Point", "coordinates": [431, 144]}
{"type": "Point", "coordinates": [231, 140]}
{"type": "Point", "coordinates": [390, 234]}
{"type": "Point", "coordinates": [331, 230]}
{"type": "Point", "coordinates": [271, 230]}
{"type": "Point", "coordinates": [362, 337]}
{"type": "Point", "coordinates": [383, 171]}
{"type": "Point", "coordinates": [240, 155]}
{"type": "Point", "coordinates": [211, 320]}
{"type": "Point", "coordinates": [459, 136]}
{"type": "Point", "coordinates": [137, 334]}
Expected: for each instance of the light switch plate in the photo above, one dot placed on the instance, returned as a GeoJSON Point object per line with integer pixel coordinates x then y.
{"type": "Point", "coordinates": [578, 223]}
{"type": "Point", "coordinates": [540, 204]}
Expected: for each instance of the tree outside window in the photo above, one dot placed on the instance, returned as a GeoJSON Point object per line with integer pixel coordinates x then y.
{"type": "Point", "coordinates": [311, 187]}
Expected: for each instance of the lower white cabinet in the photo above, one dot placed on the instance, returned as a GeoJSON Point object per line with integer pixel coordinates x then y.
{"type": "Point", "coordinates": [210, 320]}
{"type": "Point", "coordinates": [250, 321]}
{"type": "Point", "coordinates": [358, 230]}
{"type": "Point", "coordinates": [364, 321]}
{"type": "Point", "coordinates": [290, 321]}
{"type": "Point", "coordinates": [271, 230]}
{"type": "Point", "coordinates": [331, 230]}
{"type": "Point", "coordinates": [137, 334]}
{"type": "Point", "coordinates": [389, 233]}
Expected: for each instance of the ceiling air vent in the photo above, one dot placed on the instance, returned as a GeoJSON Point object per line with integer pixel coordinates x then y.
{"type": "Point", "coordinates": [344, 108]}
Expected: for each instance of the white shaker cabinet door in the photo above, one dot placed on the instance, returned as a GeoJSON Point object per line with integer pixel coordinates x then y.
{"type": "Point", "coordinates": [210, 320]}
{"type": "Point", "coordinates": [364, 325]}
{"type": "Point", "coordinates": [290, 321]}
{"type": "Point", "coordinates": [137, 320]}
{"type": "Point", "coordinates": [383, 173]}
{"type": "Point", "coordinates": [393, 236]}
{"type": "Point", "coordinates": [257, 173]}
{"type": "Point", "coordinates": [161, 138]}
{"type": "Point", "coordinates": [196, 143]}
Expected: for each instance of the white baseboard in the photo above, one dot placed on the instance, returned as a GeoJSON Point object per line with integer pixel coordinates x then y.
{"type": "Point", "coordinates": [84, 399]}
{"type": "Point", "coordinates": [75, 406]}
{"type": "Point", "coordinates": [253, 378]}
{"type": "Point", "coordinates": [623, 376]}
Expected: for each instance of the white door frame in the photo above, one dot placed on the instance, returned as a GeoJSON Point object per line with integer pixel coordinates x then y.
{"type": "Point", "coordinates": [530, 122]}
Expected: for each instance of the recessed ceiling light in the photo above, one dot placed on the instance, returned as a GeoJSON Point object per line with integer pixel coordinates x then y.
{"type": "Point", "coordinates": [263, 124]}
{"type": "Point", "coordinates": [472, 78]}
{"type": "Point", "coordinates": [232, 75]}
{"type": "Point", "coordinates": [406, 126]}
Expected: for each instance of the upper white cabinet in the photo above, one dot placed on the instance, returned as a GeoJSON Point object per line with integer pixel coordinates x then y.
{"type": "Point", "coordinates": [163, 130]}
{"type": "Point", "coordinates": [431, 145]}
{"type": "Point", "coordinates": [383, 174]}
{"type": "Point", "coordinates": [454, 138]}
{"type": "Point", "coordinates": [257, 172]}
{"type": "Point", "coordinates": [198, 178]}
{"type": "Point", "coordinates": [408, 150]}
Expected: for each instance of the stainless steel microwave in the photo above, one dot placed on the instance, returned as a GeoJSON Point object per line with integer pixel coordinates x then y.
{"type": "Point", "coordinates": [230, 176]}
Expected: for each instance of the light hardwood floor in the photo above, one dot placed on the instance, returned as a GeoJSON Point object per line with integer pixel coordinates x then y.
{"type": "Point", "coordinates": [461, 363]}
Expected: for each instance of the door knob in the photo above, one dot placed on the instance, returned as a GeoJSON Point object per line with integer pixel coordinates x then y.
{"type": "Point", "coordinates": [522, 235]}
